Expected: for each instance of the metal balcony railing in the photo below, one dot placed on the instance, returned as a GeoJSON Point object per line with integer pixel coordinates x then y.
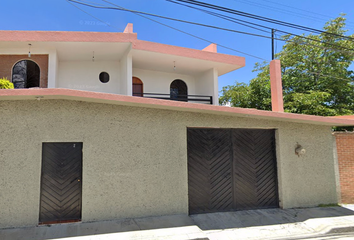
{"type": "Point", "coordinates": [184, 98]}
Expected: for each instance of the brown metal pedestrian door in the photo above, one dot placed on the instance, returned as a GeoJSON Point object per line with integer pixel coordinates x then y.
{"type": "Point", "coordinates": [61, 182]}
{"type": "Point", "coordinates": [231, 169]}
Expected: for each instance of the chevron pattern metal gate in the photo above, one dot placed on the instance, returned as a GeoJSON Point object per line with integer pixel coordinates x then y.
{"type": "Point", "coordinates": [231, 169]}
{"type": "Point", "coordinates": [61, 182]}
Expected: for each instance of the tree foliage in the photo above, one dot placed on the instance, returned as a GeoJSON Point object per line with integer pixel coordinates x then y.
{"type": "Point", "coordinates": [316, 75]}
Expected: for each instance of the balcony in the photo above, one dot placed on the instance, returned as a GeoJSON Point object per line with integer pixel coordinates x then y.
{"type": "Point", "coordinates": [174, 97]}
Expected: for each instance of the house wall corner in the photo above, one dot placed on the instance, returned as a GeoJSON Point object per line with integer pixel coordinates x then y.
{"type": "Point", "coordinates": [207, 84]}
{"type": "Point", "coordinates": [126, 67]}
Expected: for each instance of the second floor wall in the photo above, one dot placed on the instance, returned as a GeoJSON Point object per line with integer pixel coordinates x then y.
{"type": "Point", "coordinates": [118, 77]}
{"type": "Point", "coordinates": [108, 62]}
{"type": "Point", "coordinates": [160, 82]}
{"type": "Point", "coordinates": [85, 75]}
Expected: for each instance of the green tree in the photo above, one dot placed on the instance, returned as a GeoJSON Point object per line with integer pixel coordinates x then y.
{"type": "Point", "coordinates": [316, 75]}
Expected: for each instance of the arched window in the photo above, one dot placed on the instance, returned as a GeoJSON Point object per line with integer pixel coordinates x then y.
{"type": "Point", "coordinates": [138, 87]}
{"type": "Point", "coordinates": [25, 74]}
{"type": "Point", "coordinates": [179, 90]}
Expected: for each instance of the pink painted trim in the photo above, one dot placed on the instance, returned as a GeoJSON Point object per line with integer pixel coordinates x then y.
{"type": "Point", "coordinates": [276, 86]}
{"type": "Point", "coordinates": [58, 36]}
{"type": "Point", "coordinates": [58, 93]}
{"type": "Point", "coordinates": [129, 28]}
{"type": "Point", "coordinates": [187, 52]}
{"type": "Point", "coordinates": [211, 48]}
{"type": "Point", "coordinates": [345, 117]}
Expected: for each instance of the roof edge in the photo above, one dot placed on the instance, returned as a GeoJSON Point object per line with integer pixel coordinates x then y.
{"type": "Point", "coordinates": [107, 98]}
{"type": "Point", "coordinates": [189, 52]}
{"type": "Point", "coordinates": [65, 36]}
{"type": "Point", "coordinates": [118, 37]}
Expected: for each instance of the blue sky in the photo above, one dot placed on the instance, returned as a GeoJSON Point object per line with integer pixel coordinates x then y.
{"type": "Point", "coordinates": [59, 15]}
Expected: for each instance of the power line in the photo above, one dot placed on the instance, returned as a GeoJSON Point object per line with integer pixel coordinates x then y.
{"type": "Point", "coordinates": [109, 25]}
{"type": "Point", "coordinates": [174, 19]}
{"type": "Point", "coordinates": [232, 19]}
{"type": "Point", "coordinates": [257, 17]}
{"type": "Point", "coordinates": [228, 18]}
{"type": "Point", "coordinates": [277, 9]}
{"type": "Point", "coordinates": [199, 24]}
{"type": "Point", "coordinates": [192, 35]}
{"type": "Point", "coordinates": [292, 7]}
{"type": "Point", "coordinates": [260, 18]}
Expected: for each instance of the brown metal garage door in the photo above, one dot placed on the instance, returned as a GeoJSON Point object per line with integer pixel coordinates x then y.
{"type": "Point", "coordinates": [231, 169]}
{"type": "Point", "coordinates": [61, 182]}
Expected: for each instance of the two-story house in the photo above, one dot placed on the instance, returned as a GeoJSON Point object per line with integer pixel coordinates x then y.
{"type": "Point", "coordinates": [82, 139]}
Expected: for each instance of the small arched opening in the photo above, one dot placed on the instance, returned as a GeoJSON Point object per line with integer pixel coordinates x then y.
{"type": "Point", "coordinates": [26, 74]}
{"type": "Point", "coordinates": [179, 90]}
{"type": "Point", "coordinates": [138, 87]}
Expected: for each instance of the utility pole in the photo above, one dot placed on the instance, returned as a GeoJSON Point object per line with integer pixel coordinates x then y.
{"type": "Point", "coordinates": [273, 43]}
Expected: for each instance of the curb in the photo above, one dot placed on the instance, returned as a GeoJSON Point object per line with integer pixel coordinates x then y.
{"type": "Point", "coordinates": [342, 230]}
{"type": "Point", "coordinates": [308, 228]}
{"type": "Point", "coordinates": [331, 225]}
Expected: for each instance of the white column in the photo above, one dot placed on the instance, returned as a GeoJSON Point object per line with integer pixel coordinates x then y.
{"type": "Point", "coordinates": [52, 69]}
{"type": "Point", "coordinates": [216, 87]}
{"type": "Point", "coordinates": [207, 84]}
{"type": "Point", "coordinates": [126, 66]}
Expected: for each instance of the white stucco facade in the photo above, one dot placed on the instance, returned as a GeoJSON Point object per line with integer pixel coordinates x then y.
{"type": "Point", "coordinates": [126, 73]}
{"type": "Point", "coordinates": [159, 82]}
{"type": "Point", "coordinates": [71, 65]}
{"type": "Point", "coordinates": [207, 84]}
{"type": "Point", "coordinates": [84, 75]}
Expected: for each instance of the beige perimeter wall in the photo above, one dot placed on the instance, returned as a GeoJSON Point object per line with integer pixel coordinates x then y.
{"type": "Point", "coordinates": [135, 159]}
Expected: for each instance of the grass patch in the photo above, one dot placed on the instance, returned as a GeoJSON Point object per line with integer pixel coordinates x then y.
{"type": "Point", "coordinates": [329, 205]}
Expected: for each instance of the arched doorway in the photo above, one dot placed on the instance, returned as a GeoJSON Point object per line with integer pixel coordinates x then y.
{"type": "Point", "coordinates": [138, 87]}
{"type": "Point", "coordinates": [25, 74]}
{"type": "Point", "coordinates": [179, 90]}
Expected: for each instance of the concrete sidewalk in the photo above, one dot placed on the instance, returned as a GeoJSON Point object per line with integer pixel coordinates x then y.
{"type": "Point", "coordinates": [252, 224]}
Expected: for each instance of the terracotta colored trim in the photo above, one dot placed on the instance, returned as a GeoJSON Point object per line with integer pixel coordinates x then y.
{"type": "Point", "coordinates": [129, 28]}
{"type": "Point", "coordinates": [59, 36]}
{"type": "Point", "coordinates": [58, 93]}
{"type": "Point", "coordinates": [187, 52]}
{"type": "Point", "coordinates": [276, 86]}
{"type": "Point", "coordinates": [211, 48]}
{"type": "Point", "coordinates": [345, 116]}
